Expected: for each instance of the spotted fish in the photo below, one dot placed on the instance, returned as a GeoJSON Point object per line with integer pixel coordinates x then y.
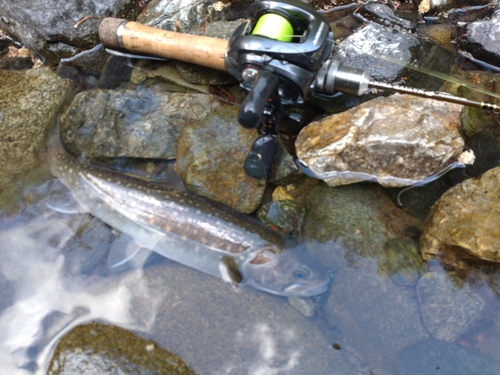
{"type": "Point", "coordinates": [189, 229]}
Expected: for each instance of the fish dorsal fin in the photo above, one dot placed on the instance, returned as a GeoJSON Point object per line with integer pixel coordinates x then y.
{"type": "Point", "coordinates": [125, 255]}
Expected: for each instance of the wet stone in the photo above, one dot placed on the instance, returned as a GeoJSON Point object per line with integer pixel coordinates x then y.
{"type": "Point", "coordinates": [385, 15]}
{"type": "Point", "coordinates": [286, 215]}
{"type": "Point", "coordinates": [46, 27]}
{"type": "Point", "coordinates": [482, 39]}
{"type": "Point", "coordinates": [463, 223]}
{"type": "Point", "coordinates": [401, 261]}
{"type": "Point", "coordinates": [395, 141]}
{"type": "Point", "coordinates": [475, 120]}
{"type": "Point", "coordinates": [180, 15]}
{"type": "Point", "coordinates": [96, 349]}
{"type": "Point", "coordinates": [29, 103]}
{"type": "Point", "coordinates": [210, 160]}
{"type": "Point", "coordinates": [130, 123]}
{"type": "Point", "coordinates": [284, 169]}
{"type": "Point", "coordinates": [381, 41]}
{"type": "Point", "coordinates": [448, 310]}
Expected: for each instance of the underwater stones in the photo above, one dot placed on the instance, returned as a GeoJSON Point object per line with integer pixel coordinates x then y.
{"type": "Point", "coordinates": [401, 261]}
{"type": "Point", "coordinates": [130, 123]}
{"type": "Point", "coordinates": [395, 141]}
{"type": "Point", "coordinates": [463, 223]}
{"type": "Point", "coordinates": [447, 310]}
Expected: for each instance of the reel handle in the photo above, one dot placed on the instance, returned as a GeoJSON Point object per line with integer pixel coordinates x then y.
{"type": "Point", "coordinates": [134, 37]}
{"type": "Point", "coordinates": [252, 108]}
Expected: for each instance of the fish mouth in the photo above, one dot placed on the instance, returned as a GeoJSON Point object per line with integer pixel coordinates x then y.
{"type": "Point", "coordinates": [305, 290]}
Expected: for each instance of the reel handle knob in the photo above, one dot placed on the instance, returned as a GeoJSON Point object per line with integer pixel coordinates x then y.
{"type": "Point", "coordinates": [250, 112]}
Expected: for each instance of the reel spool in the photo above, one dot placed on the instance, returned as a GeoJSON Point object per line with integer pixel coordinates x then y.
{"type": "Point", "coordinates": [274, 26]}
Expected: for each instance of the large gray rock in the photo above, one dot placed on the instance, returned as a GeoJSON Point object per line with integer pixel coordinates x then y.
{"type": "Point", "coordinates": [47, 26]}
{"type": "Point", "coordinates": [482, 39]}
{"type": "Point", "coordinates": [130, 123]}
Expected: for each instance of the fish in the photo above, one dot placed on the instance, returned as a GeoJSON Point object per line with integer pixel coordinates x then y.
{"type": "Point", "coordinates": [189, 229]}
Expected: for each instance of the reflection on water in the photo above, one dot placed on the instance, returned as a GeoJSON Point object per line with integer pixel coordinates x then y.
{"type": "Point", "coordinates": [41, 300]}
{"type": "Point", "coordinates": [54, 277]}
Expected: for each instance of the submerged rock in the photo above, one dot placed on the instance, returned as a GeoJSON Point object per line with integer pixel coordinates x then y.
{"type": "Point", "coordinates": [447, 311]}
{"type": "Point", "coordinates": [29, 103]}
{"type": "Point", "coordinates": [396, 141]}
{"type": "Point", "coordinates": [464, 222]}
{"type": "Point", "coordinates": [401, 261]}
{"type": "Point", "coordinates": [361, 217]}
{"type": "Point", "coordinates": [98, 349]}
{"type": "Point", "coordinates": [130, 123]}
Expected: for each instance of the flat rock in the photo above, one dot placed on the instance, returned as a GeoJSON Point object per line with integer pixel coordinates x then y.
{"type": "Point", "coordinates": [395, 141]}
{"type": "Point", "coordinates": [464, 221]}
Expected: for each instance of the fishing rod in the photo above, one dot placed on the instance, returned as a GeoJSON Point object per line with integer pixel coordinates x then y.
{"type": "Point", "coordinates": [279, 56]}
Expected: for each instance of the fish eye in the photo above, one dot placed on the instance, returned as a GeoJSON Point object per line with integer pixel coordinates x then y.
{"type": "Point", "coordinates": [301, 273]}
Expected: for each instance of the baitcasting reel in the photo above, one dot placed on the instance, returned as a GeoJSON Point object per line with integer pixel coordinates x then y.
{"type": "Point", "coordinates": [276, 58]}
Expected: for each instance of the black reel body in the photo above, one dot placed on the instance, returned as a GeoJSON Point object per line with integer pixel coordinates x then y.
{"type": "Point", "coordinates": [276, 58]}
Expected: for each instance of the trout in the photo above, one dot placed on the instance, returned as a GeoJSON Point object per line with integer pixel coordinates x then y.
{"type": "Point", "coordinates": [191, 230]}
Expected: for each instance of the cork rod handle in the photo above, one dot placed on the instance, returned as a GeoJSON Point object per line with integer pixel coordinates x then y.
{"type": "Point", "coordinates": [136, 38]}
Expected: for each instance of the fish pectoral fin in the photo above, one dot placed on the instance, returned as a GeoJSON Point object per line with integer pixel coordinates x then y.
{"type": "Point", "coordinates": [125, 255]}
{"type": "Point", "coordinates": [230, 271]}
{"type": "Point", "coordinates": [66, 203]}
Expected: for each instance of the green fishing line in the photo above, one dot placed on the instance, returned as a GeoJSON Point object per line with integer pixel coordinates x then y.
{"type": "Point", "coordinates": [274, 26]}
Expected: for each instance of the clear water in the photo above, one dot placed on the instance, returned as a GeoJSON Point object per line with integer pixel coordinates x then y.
{"type": "Point", "coordinates": [53, 277]}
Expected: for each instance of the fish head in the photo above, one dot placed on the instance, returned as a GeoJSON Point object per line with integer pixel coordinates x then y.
{"type": "Point", "coordinates": [290, 273]}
